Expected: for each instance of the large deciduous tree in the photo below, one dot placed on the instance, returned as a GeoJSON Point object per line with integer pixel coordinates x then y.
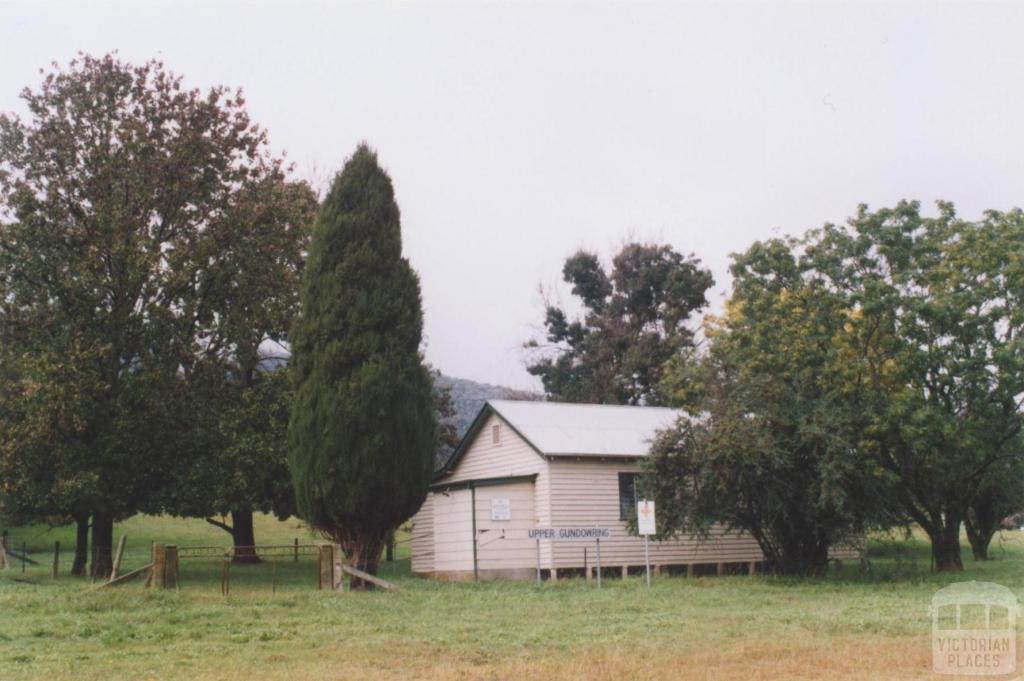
{"type": "Point", "coordinates": [769, 448]}
{"type": "Point", "coordinates": [239, 397]}
{"type": "Point", "coordinates": [1000, 496]}
{"type": "Point", "coordinates": [634, 320]}
{"type": "Point", "coordinates": [119, 195]}
{"type": "Point", "coordinates": [935, 351]}
{"type": "Point", "coordinates": [363, 431]}
{"type": "Point", "coordinates": [920, 351]}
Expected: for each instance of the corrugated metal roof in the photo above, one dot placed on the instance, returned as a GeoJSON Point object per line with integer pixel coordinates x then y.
{"type": "Point", "coordinates": [561, 429]}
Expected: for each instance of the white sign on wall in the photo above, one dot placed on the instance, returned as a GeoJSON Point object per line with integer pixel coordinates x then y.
{"type": "Point", "coordinates": [501, 509]}
{"type": "Point", "coordinates": [569, 533]}
{"type": "Point", "coordinates": [645, 517]}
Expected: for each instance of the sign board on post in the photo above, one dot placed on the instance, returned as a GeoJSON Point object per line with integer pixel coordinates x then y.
{"type": "Point", "coordinates": [645, 517]}
{"type": "Point", "coordinates": [594, 534]}
{"type": "Point", "coordinates": [501, 509]}
{"type": "Point", "coordinates": [569, 533]}
{"type": "Point", "coordinates": [645, 527]}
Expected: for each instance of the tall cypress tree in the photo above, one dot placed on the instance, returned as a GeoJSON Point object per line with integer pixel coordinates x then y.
{"type": "Point", "coordinates": [362, 431]}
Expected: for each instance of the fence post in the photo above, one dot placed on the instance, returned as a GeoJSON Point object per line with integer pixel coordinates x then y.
{"type": "Point", "coordinates": [273, 583]}
{"type": "Point", "coordinates": [56, 559]}
{"type": "Point", "coordinates": [326, 572]}
{"type": "Point", "coordinates": [24, 555]}
{"type": "Point", "coordinates": [171, 565]}
{"type": "Point", "coordinates": [339, 573]}
{"type": "Point", "coordinates": [117, 557]}
{"type": "Point", "coordinates": [225, 577]}
{"type": "Point", "coordinates": [159, 565]}
{"type": "Point", "coordinates": [296, 549]}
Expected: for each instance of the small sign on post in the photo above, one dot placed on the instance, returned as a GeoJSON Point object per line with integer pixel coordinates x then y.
{"type": "Point", "coordinates": [645, 528]}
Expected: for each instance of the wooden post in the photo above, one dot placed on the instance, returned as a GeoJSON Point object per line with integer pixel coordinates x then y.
{"type": "Point", "coordinates": [625, 571]}
{"type": "Point", "coordinates": [752, 568]}
{"type": "Point", "coordinates": [586, 568]}
{"type": "Point", "coordinates": [159, 565]}
{"type": "Point", "coordinates": [720, 569]}
{"type": "Point", "coordinates": [326, 572]}
{"type": "Point", "coordinates": [56, 559]}
{"type": "Point", "coordinates": [117, 557]}
{"type": "Point", "coordinates": [657, 569]}
{"type": "Point", "coordinates": [839, 565]}
{"type": "Point", "coordinates": [337, 571]}
{"type": "Point", "coordinates": [24, 555]}
{"type": "Point", "coordinates": [691, 570]}
{"type": "Point", "coordinates": [366, 577]}
{"type": "Point", "coordinates": [296, 549]}
{"type": "Point", "coordinates": [273, 583]}
{"type": "Point", "coordinates": [554, 574]}
{"type": "Point", "coordinates": [225, 577]}
{"type": "Point", "coordinates": [171, 567]}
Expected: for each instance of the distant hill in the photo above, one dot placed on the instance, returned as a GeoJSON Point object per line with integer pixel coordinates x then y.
{"type": "Point", "coordinates": [469, 396]}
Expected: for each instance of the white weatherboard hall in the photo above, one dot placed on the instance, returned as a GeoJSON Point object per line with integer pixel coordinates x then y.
{"type": "Point", "coordinates": [526, 465]}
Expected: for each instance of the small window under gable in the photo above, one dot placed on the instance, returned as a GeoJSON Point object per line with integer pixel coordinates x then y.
{"type": "Point", "coordinates": [496, 434]}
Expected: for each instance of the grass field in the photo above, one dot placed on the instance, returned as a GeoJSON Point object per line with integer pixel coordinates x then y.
{"type": "Point", "coordinates": [846, 626]}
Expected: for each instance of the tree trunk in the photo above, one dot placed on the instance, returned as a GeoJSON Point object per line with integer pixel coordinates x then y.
{"type": "Point", "coordinates": [81, 546]}
{"type": "Point", "coordinates": [946, 545]}
{"type": "Point", "coordinates": [982, 522]}
{"type": "Point", "coordinates": [243, 534]}
{"type": "Point", "coordinates": [362, 548]}
{"type": "Point", "coordinates": [800, 558]}
{"type": "Point", "coordinates": [979, 534]}
{"type": "Point", "coordinates": [102, 546]}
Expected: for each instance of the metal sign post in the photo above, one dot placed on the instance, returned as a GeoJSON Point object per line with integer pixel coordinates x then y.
{"type": "Point", "coordinates": [647, 560]}
{"type": "Point", "coordinates": [538, 561]}
{"type": "Point", "coordinates": [598, 562]}
{"type": "Point", "coordinates": [645, 527]}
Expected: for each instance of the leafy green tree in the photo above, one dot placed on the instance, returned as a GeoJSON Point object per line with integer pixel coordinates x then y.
{"type": "Point", "coordinates": [635, 320]}
{"type": "Point", "coordinates": [1000, 496]}
{"type": "Point", "coordinates": [769, 450]}
{"type": "Point", "coordinates": [922, 350]}
{"type": "Point", "coordinates": [117, 194]}
{"type": "Point", "coordinates": [41, 455]}
{"type": "Point", "coordinates": [934, 352]}
{"type": "Point", "coordinates": [234, 461]}
{"type": "Point", "coordinates": [363, 431]}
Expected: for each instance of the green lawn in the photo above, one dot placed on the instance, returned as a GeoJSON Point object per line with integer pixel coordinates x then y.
{"type": "Point", "coordinates": [846, 626]}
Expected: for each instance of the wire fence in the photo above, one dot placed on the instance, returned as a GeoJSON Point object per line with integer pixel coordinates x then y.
{"type": "Point", "coordinates": [15, 553]}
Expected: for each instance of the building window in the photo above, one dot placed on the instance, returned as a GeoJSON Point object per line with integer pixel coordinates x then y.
{"type": "Point", "coordinates": [627, 495]}
{"type": "Point", "coordinates": [496, 434]}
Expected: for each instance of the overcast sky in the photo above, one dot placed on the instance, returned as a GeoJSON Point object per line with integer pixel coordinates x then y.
{"type": "Point", "coordinates": [518, 133]}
